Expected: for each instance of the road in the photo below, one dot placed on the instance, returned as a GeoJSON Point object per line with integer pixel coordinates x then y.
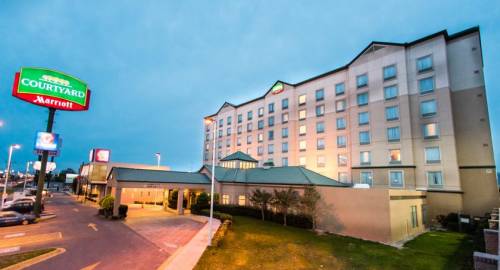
{"type": "Point", "coordinates": [91, 242]}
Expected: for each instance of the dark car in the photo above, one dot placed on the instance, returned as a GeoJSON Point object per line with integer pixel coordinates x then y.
{"type": "Point", "coordinates": [22, 207]}
{"type": "Point", "coordinates": [8, 218]}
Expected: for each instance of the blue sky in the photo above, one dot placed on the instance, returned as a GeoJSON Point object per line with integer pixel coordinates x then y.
{"type": "Point", "coordinates": [157, 67]}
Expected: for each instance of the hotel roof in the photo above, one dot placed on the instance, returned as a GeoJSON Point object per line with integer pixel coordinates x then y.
{"type": "Point", "coordinates": [238, 155]}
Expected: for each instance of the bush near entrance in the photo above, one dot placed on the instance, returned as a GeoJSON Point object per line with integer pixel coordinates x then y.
{"type": "Point", "coordinates": [107, 205]}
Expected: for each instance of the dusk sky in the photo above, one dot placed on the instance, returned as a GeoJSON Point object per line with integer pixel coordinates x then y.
{"type": "Point", "coordinates": [156, 68]}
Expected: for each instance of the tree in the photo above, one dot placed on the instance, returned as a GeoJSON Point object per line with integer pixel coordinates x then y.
{"type": "Point", "coordinates": [261, 198]}
{"type": "Point", "coordinates": [284, 200]}
{"type": "Point", "coordinates": [309, 203]}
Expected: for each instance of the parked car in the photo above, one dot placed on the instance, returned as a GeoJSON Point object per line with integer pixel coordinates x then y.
{"type": "Point", "coordinates": [22, 207]}
{"type": "Point", "coordinates": [22, 199]}
{"type": "Point", "coordinates": [8, 218]}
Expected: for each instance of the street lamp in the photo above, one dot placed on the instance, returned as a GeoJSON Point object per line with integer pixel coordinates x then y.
{"type": "Point", "coordinates": [4, 194]}
{"type": "Point", "coordinates": [158, 158]}
{"type": "Point", "coordinates": [26, 174]}
{"type": "Point", "coordinates": [2, 123]}
{"type": "Point", "coordinates": [209, 121]}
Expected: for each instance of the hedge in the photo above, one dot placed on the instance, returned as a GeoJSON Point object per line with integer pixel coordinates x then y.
{"type": "Point", "coordinates": [221, 232]}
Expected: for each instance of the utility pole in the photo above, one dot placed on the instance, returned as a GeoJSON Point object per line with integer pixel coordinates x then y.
{"type": "Point", "coordinates": [43, 167]}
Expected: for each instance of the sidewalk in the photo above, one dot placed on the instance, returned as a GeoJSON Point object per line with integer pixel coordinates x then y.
{"type": "Point", "coordinates": [187, 257]}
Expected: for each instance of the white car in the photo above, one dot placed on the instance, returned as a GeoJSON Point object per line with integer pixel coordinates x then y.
{"type": "Point", "coordinates": [23, 199]}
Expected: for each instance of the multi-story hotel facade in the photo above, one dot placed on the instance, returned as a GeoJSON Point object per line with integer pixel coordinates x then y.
{"type": "Point", "coordinates": [399, 116]}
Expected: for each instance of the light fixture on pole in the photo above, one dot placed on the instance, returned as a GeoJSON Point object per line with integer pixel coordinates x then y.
{"type": "Point", "coordinates": [209, 121]}
{"type": "Point", "coordinates": [158, 159]}
{"type": "Point", "coordinates": [2, 123]}
{"type": "Point", "coordinates": [9, 160]}
{"type": "Point", "coordinates": [26, 174]}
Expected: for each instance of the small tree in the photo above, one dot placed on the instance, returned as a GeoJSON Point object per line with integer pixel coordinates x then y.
{"type": "Point", "coordinates": [284, 200]}
{"type": "Point", "coordinates": [309, 203]}
{"type": "Point", "coordinates": [203, 201]}
{"type": "Point", "coordinates": [261, 198]}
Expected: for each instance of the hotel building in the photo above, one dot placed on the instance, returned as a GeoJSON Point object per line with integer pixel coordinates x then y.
{"type": "Point", "coordinates": [398, 116]}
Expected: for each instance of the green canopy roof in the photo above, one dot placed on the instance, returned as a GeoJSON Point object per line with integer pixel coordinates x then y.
{"type": "Point", "coordinates": [158, 176]}
{"type": "Point", "coordinates": [238, 155]}
{"type": "Point", "coordinates": [290, 175]}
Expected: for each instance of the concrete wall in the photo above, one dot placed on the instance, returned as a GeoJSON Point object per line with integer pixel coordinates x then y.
{"type": "Point", "coordinates": [401, 202]}
{"type": "Point", "coordinates": [480, 190]}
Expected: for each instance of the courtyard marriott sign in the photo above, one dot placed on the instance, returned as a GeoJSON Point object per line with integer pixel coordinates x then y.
{"type": "Point", "coordinates": [52, 89]}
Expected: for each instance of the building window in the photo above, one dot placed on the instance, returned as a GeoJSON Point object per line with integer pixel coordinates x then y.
{"type": "Point", "coordinates": [424, 63]}
{"type": "Point", "coordinates": [395, 156]}
{"type": "Point", "coordinates": [426, 85]}
{"type": "Point", "coordinates": [393, 134]}
{"type": "Point", "coordinates": [365, 158]}
{"type": "Point", "coordinates": [435, 179]}
{"type": "Point", "coordinates": [302, 145]}
{"type": "Point", "coordinates": [342, 160]}
{"type": "Point", "coordinates": [219, 155]}
{"type": "Point", "coordinates": [228, 131]}
{"type": "Point", "coordinates": [241, 200]}
{"type": "Point", "coordinates": [207, 136]}
{"type": "Point", "coordinates": [428, 108]}
{"type": "Point", "coordinates": [302, 99]}
{"type": "Point", "coordinates": [302, 161]}
{"type": "Point", "coordinates": [340, 105]}
{"type": "Point", "coordinates": [249, 127]}
{"type": "Point", "coordinates": [390, 92]}
{"type": "Point", "coordinates": [339, 89]}
{"type": "Point", "coordinates": [364, 137]}
{"type": "Point", "coordinates": [320, 127]}
{"type": "Point", "coordinates": [432, 155]}
{"type": "Point", "coordinates": [362, 80]}
{"type": "Point", "coordinates": [225, 199]}
{"type": "Point", "coordinates": [249, 151]}
{"type": "Point", "coordinates": [260, 111]}
{"type": "Point", "coordinates": [249, 139]}
{"type": "Point", "coordinates": [284, 104]}
{"type": "Point", "coordinates": [239, 129]}
{"type": "Point", "coordinates": [389, 72]}
{"type": "Point", "coordinates": [284, 161]}
{"type": "Point", "coordinates": [240, 118]}
{"type": "Point", "coordinates": [341, 141]}
{"type": "Point", "coordinates": [414, 216]}
{"type": "Point", "coordinates": [320, 95]}
{"type": "Point", "coordinates": [302, 114]}
{"type": "Point", "coordinates": [362, 99]}
{"type": "Point", "coordinates": [343, 177]}
{"type": "Point", "coordinates": [392, 113]}
{"type": "Point", "coordinates": [220, 133]}
{"type": "Point", "coordinates": [302, 130]}
{"type": "Point", "coordinates": [341, 123]}
{"type": "Point", "coordinates": [270, 135]}
{"type": "Point", "coordinates": [260, 137]}
{"type": "Point", "coordinates": [228, 142]}
{"type": "Point", "coordinates": [284, 147]}
{"type": "Point", "coordinates": [270, 148]}
{"type": "Point", "coordinates": [284, 133]}
{"type": "Point", "coordinates": [396, 178]}
{"type": "Point", "coordinates": [366, 178]}
{"type": "Point", "coordinates": [260, 150]}
{"type": "Point", "coordinates": [320, 110]}
{"type": "Point", "coordinates": [320, 144]}
{"type": "Point", "coordinates": [270, 107]}
{"type": "Point", "coordinates": [219, 144]}
{"type": "Point", "coordinates": [238, 141]}
{"type": "Point", "coordinates": [284, 118]}
{"type": "Point", "coordinates": [320, 161]}
{"type": "Point", "coordinates": [270, 121]}
{"type": "Point", "coordinates": [229, 120]}
{"type": "Point", "coordinates": [221, 122]}
{"type": "Point", "coordinates": [431, 131]}
{"type": "Point", "coordinates": [249, 115]}
{"type": "Point", "coordinates": [363, 118]}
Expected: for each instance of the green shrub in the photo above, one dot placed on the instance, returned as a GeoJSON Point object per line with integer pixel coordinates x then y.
{"type": "Point", "coordinates": [203, 200]}
{"type": "Point", "coordinates": [107, 202]}
{"type": "Point", "coordinates": [221, 232]}
{"type": "Point", "coordinates": [218, 215]}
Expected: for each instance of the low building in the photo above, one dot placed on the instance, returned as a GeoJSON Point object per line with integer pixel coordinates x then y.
{"type": "Point", "coordinates": [381, 215]}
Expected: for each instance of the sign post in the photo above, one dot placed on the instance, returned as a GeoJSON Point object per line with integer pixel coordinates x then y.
{"type": "Point", "coordinates": [56, 91]}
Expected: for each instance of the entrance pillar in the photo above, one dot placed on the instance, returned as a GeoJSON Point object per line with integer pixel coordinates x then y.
{"type": "Point", "coordinates": [180, 199]}
{"type": "Point", "coordinates": [118, 198]}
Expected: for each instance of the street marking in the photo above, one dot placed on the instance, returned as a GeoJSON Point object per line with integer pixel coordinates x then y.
{"type": "Point", "coordinates": [14, 235]}
{"type": "Point", "coordinates": [9, 250]}
{"type": "Point", "coordinates": [76, 210]}
{"type": "Point", "coordinates": [93, 226]}
{"type": "Point", "coordinates": [92, 266]}
{"type": "Point", "coordinates": [170, 245]}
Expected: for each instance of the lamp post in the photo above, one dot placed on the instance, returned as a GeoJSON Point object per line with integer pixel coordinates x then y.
{"type": "Point", "coordinates": [9, 160]}
{"type": "Point", "coordinates": [158, 158]}
{"type": "Point", "coordinates": [214, 123]}
{"type": "Point", "coordinates": [26, 174]}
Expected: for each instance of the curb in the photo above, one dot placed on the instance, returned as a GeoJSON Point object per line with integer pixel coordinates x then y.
{"type": "Point", "coordinates": [35, 260]}
{"type": "Point", "coordinates": [47, 217]}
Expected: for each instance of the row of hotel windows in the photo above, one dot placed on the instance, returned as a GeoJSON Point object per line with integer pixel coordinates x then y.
{"type": "Point", "coordinates": [396, 178]}
{"type": "Point", "coordinates": [425, 85]}
{"type": "Point", "coordinates": [428, 108]}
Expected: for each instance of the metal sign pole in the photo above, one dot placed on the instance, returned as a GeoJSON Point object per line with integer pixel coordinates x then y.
{"type": "Point", "coordinates": [43, 167]}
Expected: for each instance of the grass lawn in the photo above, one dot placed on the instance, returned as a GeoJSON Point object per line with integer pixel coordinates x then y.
{"type": "Point", "coordinates": [254, 244]}
{"type": "Point", "coordinates": [8, 260]}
